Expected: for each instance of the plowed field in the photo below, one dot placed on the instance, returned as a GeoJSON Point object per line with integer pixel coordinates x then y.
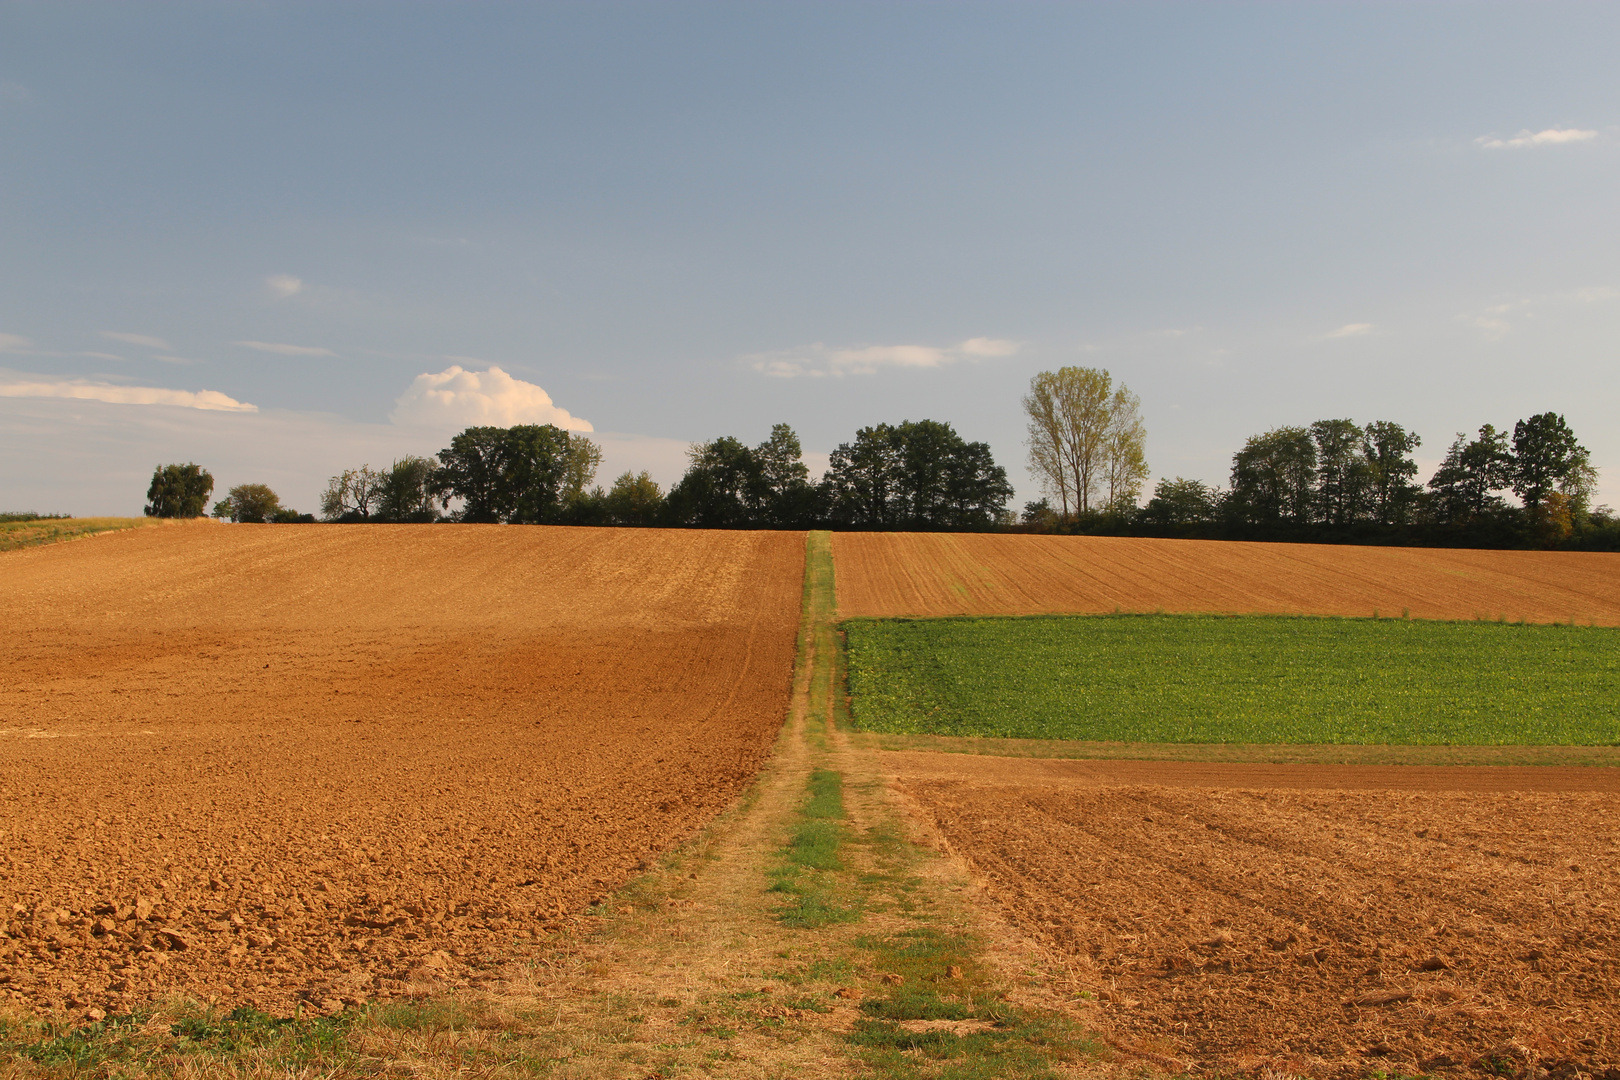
{"type": "Point", "coordinates": [272, 762]}
{"type": "Point", "coordinates": [934, 574]}
{"type": "Point", "coordinates": [1314, 920]}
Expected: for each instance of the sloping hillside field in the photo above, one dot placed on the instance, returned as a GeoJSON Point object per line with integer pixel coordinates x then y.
{"type": "Point", "coordinates": [932, 574]}
{"type": "Point", "coordinates": [272, 762]}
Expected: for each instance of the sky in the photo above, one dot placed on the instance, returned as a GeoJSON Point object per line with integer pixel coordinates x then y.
{"type": "Point", "coordinates": [284, 239]}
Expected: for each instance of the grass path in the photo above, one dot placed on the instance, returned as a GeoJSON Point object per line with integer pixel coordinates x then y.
{"type": "Point", "coordinates": [805, 933]}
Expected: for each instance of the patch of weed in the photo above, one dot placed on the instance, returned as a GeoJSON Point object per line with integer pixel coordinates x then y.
{"type": "Point", "coordinates": [424, 1016]}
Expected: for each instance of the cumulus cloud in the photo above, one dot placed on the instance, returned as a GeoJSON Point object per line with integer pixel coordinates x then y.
{"type": "Point", "coordinates": [1526, 139]}
{"type": "Point", "coordinates": [1355, 329]}
{"type": "Point", "coordinates": [285, 350]}
{"type": "Point", "coordinates": [14, 343]}
{"type": "Point", "coordinates": [27, 386]}
{"type": "Point", "coordinates": [284, 285]}
{"type": "Point", "coordinates": [137, 339]}
{"type": "Point", "coordinates": [456, 397]}
{"type": "Point", "coordinates": [819, 361]}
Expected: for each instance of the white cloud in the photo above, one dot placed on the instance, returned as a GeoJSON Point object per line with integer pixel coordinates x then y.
{"type": "Point", "coordinates": [174, 359]}
{"type": "Point", "coordinates": [13, 343]}
{"type": "Point", "coordinates": [456, 397]}
{"type": "Point", "coordinates": [137, 339]}
{"type": "Point", "coordinates": [1355, 329]}
{"type": "Point", "coordinates": [100, 355]}
{"type": "Point", "coordinates": [1524, 139]}
{"type": "Point", "coordinates": [983, 346]}
{"type": "Point", "coordinates": [284, 285]}
{"type": "Point", "coordinates": [818, 361]}
{"type": "Point", "coordinates": [34, 386]}
{"type": "Point", "coordinates": [285, 350]}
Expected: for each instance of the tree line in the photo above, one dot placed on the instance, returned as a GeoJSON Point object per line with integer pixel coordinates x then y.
{"type": "Point", "coordinates": [912, 475]}
{"type": "Point", "coordinates": [1330, 481]}
{"type": "Point", "coordinates": [1340, 481]}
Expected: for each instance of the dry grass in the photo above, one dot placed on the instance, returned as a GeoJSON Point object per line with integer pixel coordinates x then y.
{"type": "Point", "coordinates": [21, 534]}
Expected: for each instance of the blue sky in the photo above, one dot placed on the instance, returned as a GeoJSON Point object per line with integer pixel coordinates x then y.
{"type": "Point", "coordinates": [686, 220]}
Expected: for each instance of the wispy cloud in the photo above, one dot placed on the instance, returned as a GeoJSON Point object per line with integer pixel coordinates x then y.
{"type": "Point", "coordinates": [14, 343]}
{"type": "Point", "coordinates": [167, 359]}
{"type": "Point", "coordinates": [1355, 329]}
{"type": "Point", "coordinates": [33, 386]}
{"type": "Point", "coordinates": [820, 361]}
{"type": "Point", "coordinates": [285, 350]}
{"type": "Point", "coordinates": [137, 339]}
{"type": "Point", "coordinates": [283, 285]}
{"type": "Point", "coordinates": [100, 355]}
{"type": "Point", "coordinates": [456, 397]}
{"type": "Point", "coordinates": [1526, 139]}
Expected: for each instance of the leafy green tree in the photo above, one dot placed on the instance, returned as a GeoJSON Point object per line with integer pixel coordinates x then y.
{"type": "Point", "coordinates": [634, 499]}
{"type": "Point", "coordinates": [472, 468]}
{"type": "Point", "coordinates": [1183, 502]}
{"type": "Point", "coordinates": [406, 491]}
{"type": "Point", "coordinates": [528, 474]}
{"type": "Point", "coordinates": [252, 503]}
{"type": "Point", "coordinates": [1343, 473]}
{"type": "Point", "coordinates": [1274, 478]}
{"type": "Point", "coordinates": [1545, 453]}
{"type": "Point", "coordinates": [1388, 451]}
{"type": "Point", "coordinates": [730, 485]}
{"type": "Point", "coordinates": [352, 495]}
{"type": "Point", "coordinates": [1473, 471]}
{"type": "Point", "coordinates": [179, 491]}
{"type": "Point", "coordinates": [789, 499]}
{"type": "Point", "coordinates": [723, 487]}
{"type": "Point", "coordinates": [917, 474]}
{"type": "Point", "coordinates": [1040, 514]}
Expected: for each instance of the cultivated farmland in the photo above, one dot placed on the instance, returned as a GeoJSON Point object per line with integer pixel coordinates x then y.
{"type": "Point", "coordinates": [1313, 920]}
{"type": "Point", "coordinates": [934, 574]}
{"type": "Point", "coordinates": [1242, 679]}
{"type": "Point", "coordinates": [1252, 919]}
{"type": "Point", "coordinates": [272, 762]}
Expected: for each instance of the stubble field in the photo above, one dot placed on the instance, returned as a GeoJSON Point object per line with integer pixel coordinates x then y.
{"type": "Point", "coordinates": [272, 763]}
{"type": "Point", "coordinates": [1283, 919]}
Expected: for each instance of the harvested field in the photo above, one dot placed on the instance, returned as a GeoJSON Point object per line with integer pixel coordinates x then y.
{"type": "Point", "coordinates": [933, 574]}
{"type": "Point", "coordinates": [1314, 920]}
{"type": "Point", "coordinates": [275, 762]}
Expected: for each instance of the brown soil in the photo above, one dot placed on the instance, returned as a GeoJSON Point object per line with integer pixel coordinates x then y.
{"type": "Point", "coordinates": [272, 762]}
{"type": "Point", "coordinates": [1316, 920]}
{"type": "Point", "coordinates": [933, 574]}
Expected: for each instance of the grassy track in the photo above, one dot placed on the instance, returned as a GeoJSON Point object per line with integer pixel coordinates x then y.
{"type": "Point", "coordinates": [18, 534]}
{"type": "Point", "coordinates": [1251, 679]}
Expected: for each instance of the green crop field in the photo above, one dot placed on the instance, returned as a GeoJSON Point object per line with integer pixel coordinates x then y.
{"type": "Point", "coordinates": [1242, 679]}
